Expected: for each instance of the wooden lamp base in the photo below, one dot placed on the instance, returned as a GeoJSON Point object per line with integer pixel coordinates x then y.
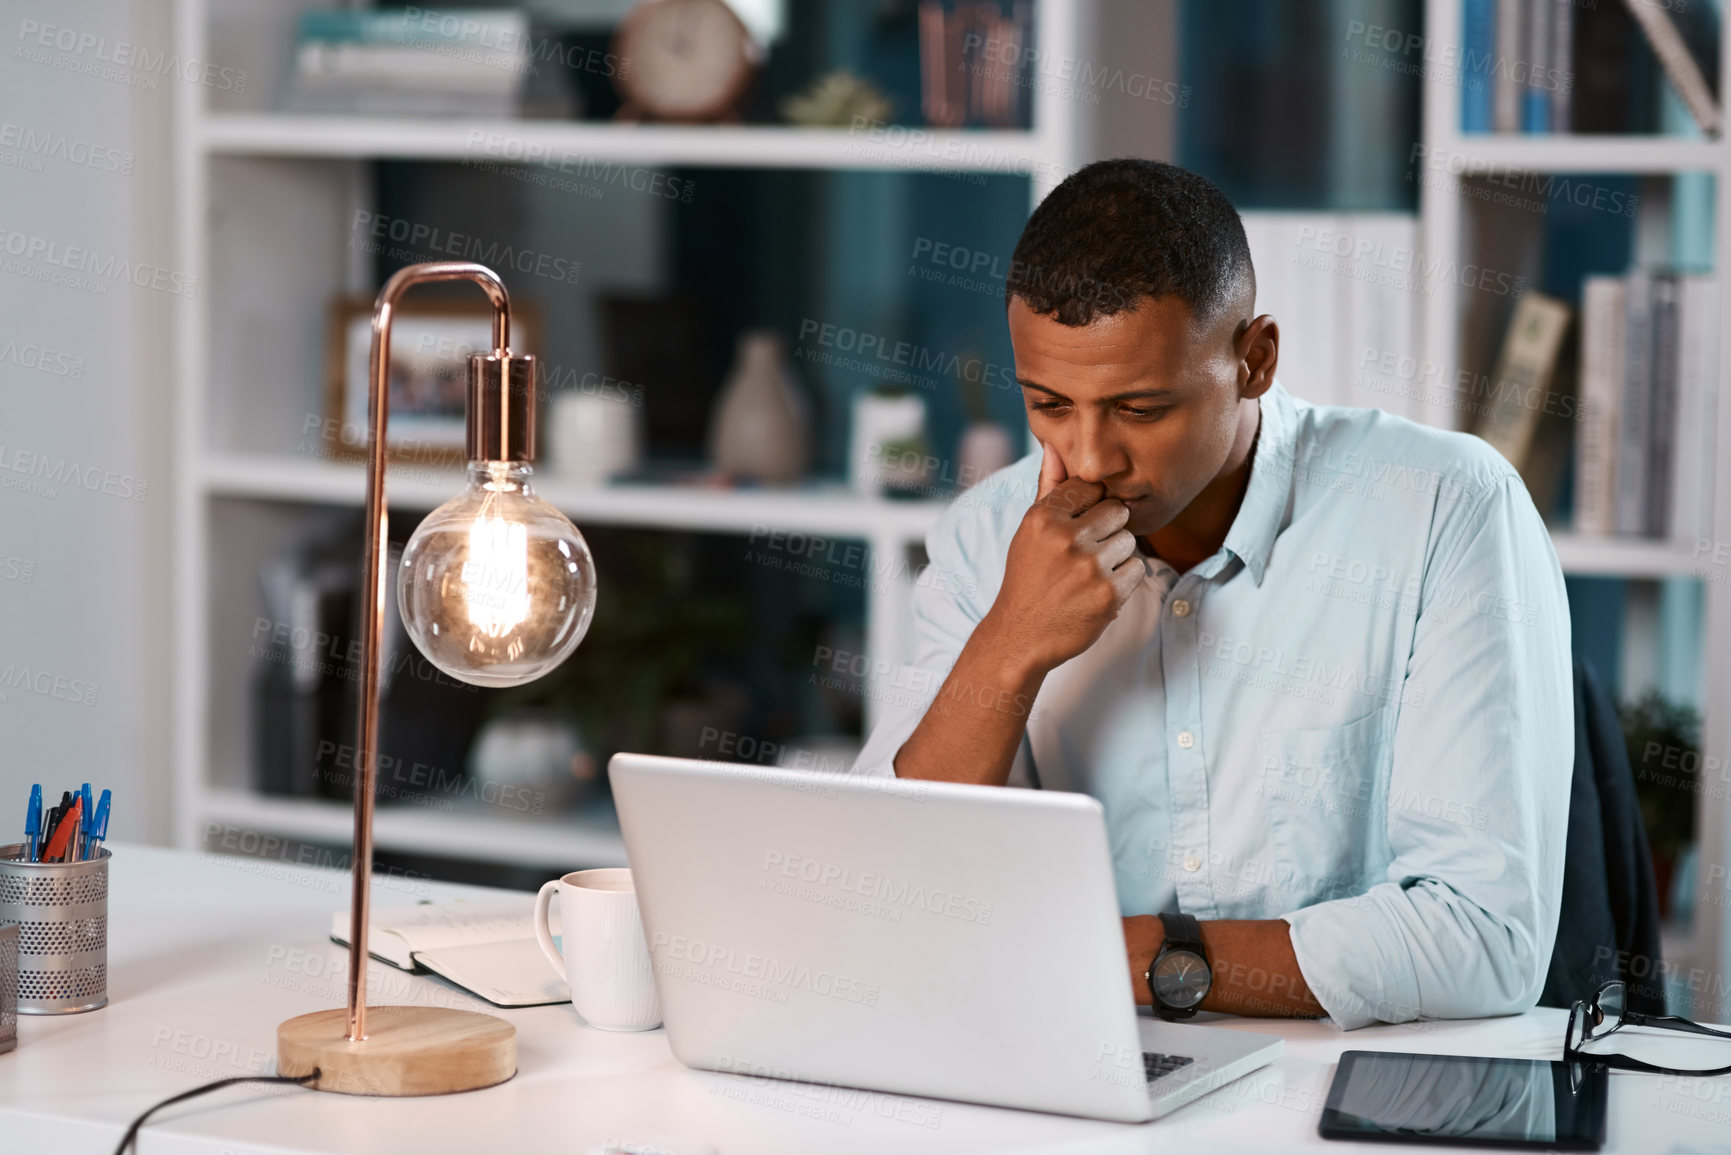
{"type": "Point", "coordinates": [407, 1051]}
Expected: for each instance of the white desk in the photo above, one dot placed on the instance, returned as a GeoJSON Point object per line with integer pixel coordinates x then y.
{"type": "Point", "coordinates": [207, 955]}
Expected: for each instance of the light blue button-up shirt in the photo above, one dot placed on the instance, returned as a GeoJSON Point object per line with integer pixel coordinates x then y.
{"type": "Point", "coordinates": [1356, 716]}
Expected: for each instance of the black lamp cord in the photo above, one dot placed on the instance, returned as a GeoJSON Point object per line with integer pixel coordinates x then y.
{"type": "Point", "coordinates": [132, 1131]}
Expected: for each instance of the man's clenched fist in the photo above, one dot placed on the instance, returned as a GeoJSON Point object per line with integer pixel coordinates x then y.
{"type": "Point", "coordinates": [1071, 567]}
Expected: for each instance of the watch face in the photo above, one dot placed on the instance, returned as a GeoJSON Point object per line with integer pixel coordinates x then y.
{"type": "Point", "coordinates": [1181, 979]}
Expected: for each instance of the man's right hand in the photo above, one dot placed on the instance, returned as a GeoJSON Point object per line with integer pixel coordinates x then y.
{"type": "Point", "coordinates": [1071, 567]}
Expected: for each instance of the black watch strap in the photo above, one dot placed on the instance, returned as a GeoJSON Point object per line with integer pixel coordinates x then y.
{"type": "Point", "coordinates": [1183, 932]}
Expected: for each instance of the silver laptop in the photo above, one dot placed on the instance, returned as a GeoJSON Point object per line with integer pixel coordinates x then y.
{"type": "Point", "coordinates": [919, 938]}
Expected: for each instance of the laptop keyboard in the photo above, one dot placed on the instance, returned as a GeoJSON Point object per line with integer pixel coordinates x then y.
{"type": "Point", "coordinates": [1158, 1065]}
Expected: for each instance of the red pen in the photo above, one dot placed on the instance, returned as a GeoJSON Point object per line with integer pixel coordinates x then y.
{"type": "Point", "coordinates": [58, 844]}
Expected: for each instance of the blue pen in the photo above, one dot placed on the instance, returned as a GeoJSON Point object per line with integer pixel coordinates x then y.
{"type": "Point", "coordinates": [82, 834]}
{"type": "Point", "coordinates": [33, 823]}
{"type": "Point", "coordinates": [98, 827]}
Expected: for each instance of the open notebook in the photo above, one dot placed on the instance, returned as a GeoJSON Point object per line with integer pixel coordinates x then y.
{"type": "Point", "coordinates": [488, 949]}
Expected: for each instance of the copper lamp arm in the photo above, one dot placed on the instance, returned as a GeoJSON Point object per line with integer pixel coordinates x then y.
{"type": "Point", "coordinates": [366, 759]}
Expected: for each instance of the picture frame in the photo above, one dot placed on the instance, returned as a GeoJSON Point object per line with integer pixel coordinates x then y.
{"type": "Point", "coordinates": [430, 345]}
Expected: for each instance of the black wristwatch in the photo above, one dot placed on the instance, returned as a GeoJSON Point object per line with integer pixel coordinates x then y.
{"type": "Point", "coordinates": [1179, 977]}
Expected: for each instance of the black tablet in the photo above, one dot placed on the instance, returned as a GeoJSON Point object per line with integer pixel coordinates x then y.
{"type": "Point", "coordinates": [1463, 1100]}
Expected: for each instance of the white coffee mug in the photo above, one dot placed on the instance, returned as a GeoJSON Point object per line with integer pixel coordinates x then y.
{"type": "Point", "coordinates": [606, 961]}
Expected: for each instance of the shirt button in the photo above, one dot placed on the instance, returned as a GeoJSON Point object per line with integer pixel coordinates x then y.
{"type": "Point", "coordinates": [1186, 740]}
{"type": "Point", "coordinates": [1193, 862]}
{"type": "Point", "coordinates": [1180, 608]}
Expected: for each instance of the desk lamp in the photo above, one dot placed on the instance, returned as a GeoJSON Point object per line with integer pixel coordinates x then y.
{"type": "Point", "coordinates": [496, 588]}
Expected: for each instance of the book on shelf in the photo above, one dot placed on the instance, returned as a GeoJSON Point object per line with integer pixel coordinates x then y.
{"type": "Point", "coordinates": [1549, 47]}
{"type": "Point", "coordinates": [1601, 395]}
{"type": "Point", "coordinates": [1542, 66]}
{"type": "Point", "coordinates": [1633, 431]}
{"type": "Point", "coordinates": [1522, 389]}
{"type": "Point", "coordinates": [1661, 434]}
{"type": "Point", "coordinates": [1377, 319]}
{"type": "Point", "coordinates": [461, 62]}
{"type": "Point", "coordinates": [1603, 70]}
{"type": "Point", "coordinates": [1348, 323]}
{"type": "Point", "coordinates": [1478, 56]}
{"type": "Point", "coordinates": [1539, 40]}
{"type": "Point", "coordinates": [1649, 400]}
{"type": "Point", "coordinates": [1697, 409]}
{"type": "Point", "coordinates": [1689, 54]}
{"type": "Point", "coordinates": [1562, 60]}
{"type": "Point", "coordinates": [1505, 80]}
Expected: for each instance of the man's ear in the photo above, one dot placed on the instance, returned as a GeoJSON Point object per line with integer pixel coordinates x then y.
{"type": "Point", "coordinates": [1258, 350]}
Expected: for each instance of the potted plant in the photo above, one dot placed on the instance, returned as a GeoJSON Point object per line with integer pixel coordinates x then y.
{"type": "Point", "coordinates": [1664, 743]}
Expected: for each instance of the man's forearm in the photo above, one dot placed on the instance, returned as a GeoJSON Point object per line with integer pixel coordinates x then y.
{"type": "Point", "coordinates": [972, 728]}
{"type": "Point", "coordinates": [1255, 969]}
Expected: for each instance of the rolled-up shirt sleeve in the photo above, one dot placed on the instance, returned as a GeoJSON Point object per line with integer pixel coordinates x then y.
{"type": "Point", "coordinates": [950, 597]}
{"type": "Point", "coordinates": [1463, 923]}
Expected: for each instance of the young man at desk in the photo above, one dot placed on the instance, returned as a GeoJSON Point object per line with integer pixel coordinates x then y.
{"type": "Point", "coordinates": [1314, 662]}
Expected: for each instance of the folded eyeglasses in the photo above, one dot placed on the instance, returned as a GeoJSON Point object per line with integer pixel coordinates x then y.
{"type": "Point", "coordinates": [1607, 1013]}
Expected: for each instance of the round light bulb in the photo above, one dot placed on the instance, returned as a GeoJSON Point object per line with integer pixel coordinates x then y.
{"type": "Point", "coordinates": [497, 587]}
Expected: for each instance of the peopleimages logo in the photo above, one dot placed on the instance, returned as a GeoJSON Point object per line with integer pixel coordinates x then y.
{"type": "Point", "coordinates": [878, 887]}
{"type": "Point", "coordinates": [85, 269]}
{"type": "Point", "coordinates": [430, 240]}
{"type": "Point", "coordinates": [1449, 61]}
{"type": "Point", "coordinates": [778, 974]}
{"type": "Point", "coordinates": [41, 359]}
{"type": "Point", "coordinates": [1368, 258]}
{"type": "Point", "coordinates": [509, 151]}
{"type": "Point", "coordinates": [62, 471]}
{"type": "Point", "coordinates": [874, 347]}
{"type": "Point", "coordinates": [119, 59]}
{"type": "Point", "coordinates": [41, 144]}
{"type": "Point", "coordinates": [1532, 190]}
{"type": "Point", "coordinates": [47, 684]}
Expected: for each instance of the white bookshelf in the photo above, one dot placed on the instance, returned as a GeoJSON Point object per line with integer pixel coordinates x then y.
{"type": "Point", "coordinates": [1584, 556]}
{"type": "Point", "coordinates": [311, 164]}
{"type": "Point", "coordinates": [734, 146]}
{"type": "Point", "coordinates": [818, 511]}
{"type": "Point", "coordinates": [1441, 207]}
{"type": "Point", "coordinates": [1601, 154]}
{"type": "Point", "coordinates": [587, 838]}
{"type": "Point", "coordinates": [261, 194]}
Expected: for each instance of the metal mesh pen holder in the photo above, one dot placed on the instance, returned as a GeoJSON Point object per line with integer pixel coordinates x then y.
{"type": "Point", "coordinates": [61, 911]}
{"type": "Point", "coordinates": [8, 988]}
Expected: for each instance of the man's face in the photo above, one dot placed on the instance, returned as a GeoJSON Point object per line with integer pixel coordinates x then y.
{"type": "Point", "coordinates": [1144, 401]}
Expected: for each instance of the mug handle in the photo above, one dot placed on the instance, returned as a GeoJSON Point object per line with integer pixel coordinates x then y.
{"type": "Point", "coordinates": [543, 935]}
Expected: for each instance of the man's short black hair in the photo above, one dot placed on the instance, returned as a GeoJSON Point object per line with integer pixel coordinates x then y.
{"type": "Point", "coordinates": [1121, 230]}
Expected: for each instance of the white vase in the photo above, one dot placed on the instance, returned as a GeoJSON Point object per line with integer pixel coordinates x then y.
{"type": "Point", "coordinates": [881, 419]}
{"type": "Point", "coordinates": [986, 448]}
{"type": "Point", "coordinates": [593, 438]}
{"type": "Point", "coordinates": [761, 430]}
{"type": "Point", "coordinates": [527, 764]}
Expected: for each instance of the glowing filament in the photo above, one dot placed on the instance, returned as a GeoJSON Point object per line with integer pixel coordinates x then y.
{"type": "Point", "coordinates": [496, 576]}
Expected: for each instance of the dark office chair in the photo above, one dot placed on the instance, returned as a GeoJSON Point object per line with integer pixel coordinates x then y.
{"type": "Point", "coordinates": [1609, 927]}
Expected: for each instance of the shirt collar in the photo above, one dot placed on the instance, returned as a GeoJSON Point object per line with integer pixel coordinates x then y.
{"type": "Point", "coordinates": [1251, 538]}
